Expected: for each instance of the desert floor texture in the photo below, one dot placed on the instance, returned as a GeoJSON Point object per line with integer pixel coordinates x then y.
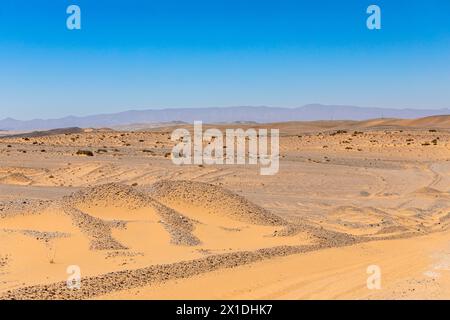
{"type": "Point", "coordinates": [348, 195]}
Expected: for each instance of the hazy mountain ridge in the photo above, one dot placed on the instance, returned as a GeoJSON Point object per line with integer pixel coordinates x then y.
{"type": "Point", "coordinates": [260, 114]}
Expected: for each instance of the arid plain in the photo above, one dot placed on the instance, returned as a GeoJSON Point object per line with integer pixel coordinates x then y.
{"type": "Point", "coordinates": [348, 195]}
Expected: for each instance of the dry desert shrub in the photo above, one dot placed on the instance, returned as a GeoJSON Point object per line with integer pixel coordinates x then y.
{"type": "Point", "coordinates": [85, 153]}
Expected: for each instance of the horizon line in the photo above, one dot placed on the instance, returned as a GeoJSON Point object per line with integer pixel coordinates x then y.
{"type": "Point", "coordinates": [224, 107]}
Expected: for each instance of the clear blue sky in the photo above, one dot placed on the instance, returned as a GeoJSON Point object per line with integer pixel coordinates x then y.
{"type": "Point", "coordinates": [199, 53]}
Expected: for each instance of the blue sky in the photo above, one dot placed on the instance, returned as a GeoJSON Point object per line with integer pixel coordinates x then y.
{"type": "Point", "coordinates": [200, 53]}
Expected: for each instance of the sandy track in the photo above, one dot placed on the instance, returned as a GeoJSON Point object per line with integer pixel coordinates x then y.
{"type": "Point", "coordinates": [114, 281]}
{"type": "Point", "coordinates": [335, 273]}
{"type": "Point", "coordinates": [281, 272]}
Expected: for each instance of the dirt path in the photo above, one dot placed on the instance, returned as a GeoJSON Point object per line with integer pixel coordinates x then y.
{"type": "Point", "coordinates": [336, 273]}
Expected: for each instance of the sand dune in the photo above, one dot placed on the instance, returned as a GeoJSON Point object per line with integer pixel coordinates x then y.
{"type": "Point", "coordinates": [124, 222]}
{"type": "Point", "coordinates": [349, 194]}
{"type": "Point", "coordinates": [215, 199]}
{"type": "Point", "coordinates": [16, 178]}
{"type": "Point", "coordinates": [427, 122]}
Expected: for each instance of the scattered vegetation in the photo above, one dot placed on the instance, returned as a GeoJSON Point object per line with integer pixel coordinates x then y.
{"type": "Point", "coordinates": [85, 153]}
{"type": "Point", "coordinates": [338, 132]}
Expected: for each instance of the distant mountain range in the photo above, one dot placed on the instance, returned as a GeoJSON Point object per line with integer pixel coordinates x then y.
{"type": "Point", "coordinates": [220, 115]}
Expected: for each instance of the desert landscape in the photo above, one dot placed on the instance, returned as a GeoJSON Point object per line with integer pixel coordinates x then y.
{"type": "Point", "coordinates": [348, 195]}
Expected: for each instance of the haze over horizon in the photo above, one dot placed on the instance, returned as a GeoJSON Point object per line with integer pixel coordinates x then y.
{"type": "Point", "coordinates": [166, 54]}
{"type": "Point", "coordinates": [262, 114]}
{"type": "Point", "coordinates": [309, 106]}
